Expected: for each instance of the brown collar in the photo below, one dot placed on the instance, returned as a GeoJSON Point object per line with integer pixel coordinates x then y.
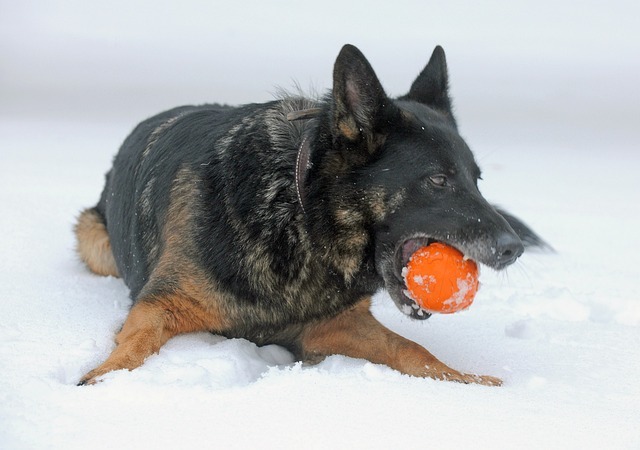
{"type": "Point", "coordinates": [303, 160]}
{"type": "Point", "coordinates": [303, 164]}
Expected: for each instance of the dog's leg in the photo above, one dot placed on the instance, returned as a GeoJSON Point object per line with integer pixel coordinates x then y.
{"type": "Point", "coordinates": [94, 246]}
{"type": "Point", "coordinates": [151, 323]}
{"type": "Point", "coordinates": [358, 334]}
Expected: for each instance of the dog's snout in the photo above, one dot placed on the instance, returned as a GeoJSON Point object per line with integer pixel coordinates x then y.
{"type": "Point", "coordinates": [508, 248]}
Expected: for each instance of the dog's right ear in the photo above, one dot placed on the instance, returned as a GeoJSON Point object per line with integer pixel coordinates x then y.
{"type": "Point", "coordinates": [358, 97]}
{"type": "Point", "coordinates": [432, 85]}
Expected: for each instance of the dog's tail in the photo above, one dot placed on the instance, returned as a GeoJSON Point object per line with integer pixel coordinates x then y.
{"type": "Point", "coordinates": [94, 246]}
{"type": "Point", "coordinates": [528, 237]}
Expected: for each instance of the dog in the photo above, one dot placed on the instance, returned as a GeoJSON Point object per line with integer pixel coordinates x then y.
{"type": "Point", "coordinates": [277, 222]}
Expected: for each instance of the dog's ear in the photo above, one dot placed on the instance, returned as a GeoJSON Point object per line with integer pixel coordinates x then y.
{"type": "Point", "coordinates": [432, 85]}
{"type": "Point", "coordinates": [358, 97]}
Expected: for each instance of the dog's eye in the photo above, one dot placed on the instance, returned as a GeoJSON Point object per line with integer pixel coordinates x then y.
{"type": "Point", "coordinates": [438, 180]}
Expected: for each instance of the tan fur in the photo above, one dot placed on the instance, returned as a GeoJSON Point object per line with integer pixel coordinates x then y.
{"type": "Point", "coordinates": [179, 297]}
{"type": "Point", "coordinates": [358, 334]}
{"type": "Point", "coordinates": [150, 324]}
{"type": "Point", "coordinates": [354, 242]}
{"type": "Point", "coordinates": [175, 267]}
{"type": "Point", "coordinates": [94, 246]}
{"type": "Point", "coordinates": [349, 129]}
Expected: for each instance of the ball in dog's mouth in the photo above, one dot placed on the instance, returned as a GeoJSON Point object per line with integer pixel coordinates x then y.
{"type": "Point", "coordinates": [399, 289]}
{"type": "Point", "coordinates": [420, 300]}
{"type": "Point", "coordinates": [440, 279]}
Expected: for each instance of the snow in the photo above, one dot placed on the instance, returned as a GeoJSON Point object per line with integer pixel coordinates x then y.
{"type": "Point", "coordinates": [459, 298]}
{"type": "Point", "coordinates": [546, 95]}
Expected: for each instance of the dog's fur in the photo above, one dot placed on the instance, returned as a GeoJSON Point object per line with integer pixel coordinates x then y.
{"type": "Point", "coordinates": [203, 218]}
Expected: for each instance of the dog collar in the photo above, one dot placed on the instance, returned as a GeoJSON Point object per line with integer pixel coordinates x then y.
{"type": "Point", "coordinates": [303, 164]}
{"type": "Point", "coordinates": [303, 160]}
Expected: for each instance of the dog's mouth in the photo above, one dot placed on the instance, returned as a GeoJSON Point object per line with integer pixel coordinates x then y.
{"type": "Point", "coordinates": [397, 287]}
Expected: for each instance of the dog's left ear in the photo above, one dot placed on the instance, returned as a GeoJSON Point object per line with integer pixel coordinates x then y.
{"type": "Point", "coordinates": [432, 85]}
{"type": "Point", "coordinates": [358, 97]}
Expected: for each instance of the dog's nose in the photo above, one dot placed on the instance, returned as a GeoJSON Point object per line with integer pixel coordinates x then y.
{"type": "Point", "coordinates": [508, 248]}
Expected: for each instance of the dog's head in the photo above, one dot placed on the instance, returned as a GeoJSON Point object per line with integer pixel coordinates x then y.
{"type": "Point", "coordinates": [408, 151]}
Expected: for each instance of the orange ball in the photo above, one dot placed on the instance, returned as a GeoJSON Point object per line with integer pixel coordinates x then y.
{"type": "Point", "coordinates": [440, 280]}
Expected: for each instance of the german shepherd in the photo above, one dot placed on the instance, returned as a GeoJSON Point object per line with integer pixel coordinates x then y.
{"type": "Point", "coordinates": [277, 222]}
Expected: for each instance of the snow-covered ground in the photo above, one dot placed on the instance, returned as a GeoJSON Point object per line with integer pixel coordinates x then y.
{"type": "Point", "coordinates": [546, 96]}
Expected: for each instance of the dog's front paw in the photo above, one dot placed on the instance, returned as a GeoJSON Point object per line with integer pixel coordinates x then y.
{"type": "Point", "coordinates": [89, 379]}
{"type": "Point", "coordinates": [486, 380]}
{"type": "Point", "coordinates": [466, 378]}
{"type": "Point", "coordinates": [442, 372]}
